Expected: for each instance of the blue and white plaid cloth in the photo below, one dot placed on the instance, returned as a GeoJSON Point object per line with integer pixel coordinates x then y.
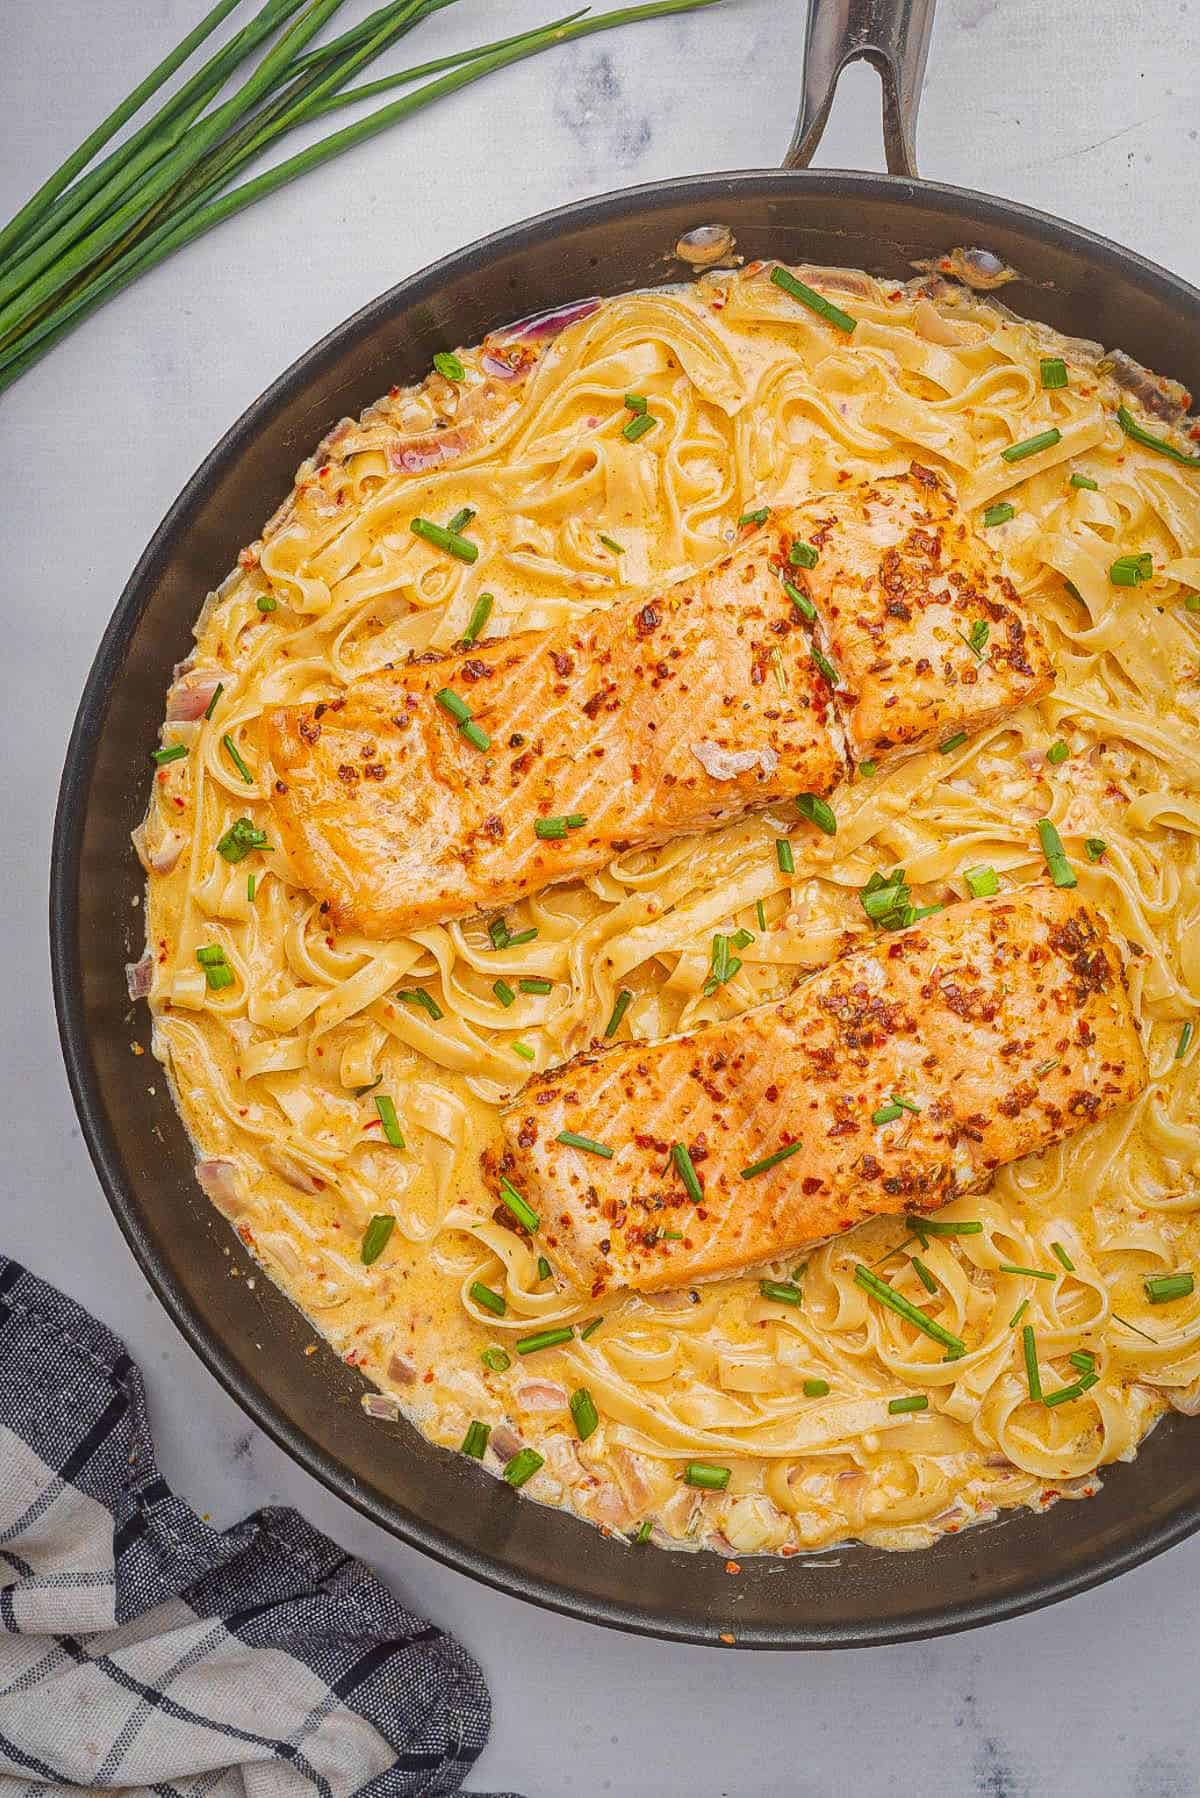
{"type": "Point", "coordinates": [142, 1650]}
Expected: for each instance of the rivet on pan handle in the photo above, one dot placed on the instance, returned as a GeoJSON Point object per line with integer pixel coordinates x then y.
{"type": "Point", "coordinates": [893, 36]}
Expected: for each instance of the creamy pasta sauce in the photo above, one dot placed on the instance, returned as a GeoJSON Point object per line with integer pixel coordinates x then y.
{"type": "Point", "coordinates": [278, 1069]}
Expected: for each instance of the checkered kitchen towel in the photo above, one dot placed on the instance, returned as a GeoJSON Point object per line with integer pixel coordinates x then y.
{"type": "Point", "coordinates": [142, 1650]}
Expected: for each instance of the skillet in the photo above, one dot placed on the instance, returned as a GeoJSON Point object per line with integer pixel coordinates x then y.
{"type": "Point", "coordinates": [253, 1339]}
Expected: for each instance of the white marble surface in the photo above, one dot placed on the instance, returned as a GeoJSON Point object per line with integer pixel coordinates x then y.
{"type": "Point", "coordinates": [1081, 107]}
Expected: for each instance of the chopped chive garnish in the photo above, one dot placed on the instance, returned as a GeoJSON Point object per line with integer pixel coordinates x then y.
{"type": "Point", "coordinates": [923, 1274]}
{"type": "Point", "coordinates": [816, 1388]}
{"type": "Point", "coordinates": [637, 427]}
{"type": "Point", "coordinates": [475, 1441]}
{"type": "Point", "coordinates": [1000, 513]}
{"type": "Point", "coordinates": [231, 750]}
{"type": "Point", "coordinates": [242, 836]}
{"type": "Point", "coordinates": [611, 543]}
{"type": "Point", "coordinates": [503, 992]}
{"type": "Point", "coordinates": [1060, 1254]}
{"type": "Point", "coordinates": [1029, 1346]}
{"type": "Point", "coordinates": [887, 1295]}
{"type": "Point", "coordinates": [1068, 1392]}
{"type": "Point", "coordinates": [583, 1410]}
{"type": "Point", "coordinates": [982, 881]}
{"type": "Point", "coordinates": [741, 939]}
{"type": "Point", "coordinates": [1094, 848]}
{"type": "Point", "coordinates": [251, 887]}
{"type": "Point", "coordinates": [387, 1117]}
{"type": "Point", "coordinates": [687, 1172]}
{"type": "Point", "coordinates": [589, 1328]}
{"type": "Point", "coordinates": [1060, 870]}
{"type": "Point", "coordinates": [1054, 372]}
{"type": "Point", "coordinates": [867, 769]}
{"type": "Point", "coordinates": [266, 602]}
{"type": "Point", "coordinates": [1034, 1273]}
{"type": "Point", "coordinates": [587, 1144]}
{"type": "Point", "coordinates": [534, 983]}
{"type": "Point", "coordinates": [1131, 570]}
{"type": "Point", "coordinates": [520, 1207]}
{"type": "Point", "coordinates": [558, 827]}
{"type": "Point", "coordinates": [807, 296]}
{"type": "Point", "coordinates": [496, 1360]}
{"type": "Point", "coordinates": [416, 995]}
{"type": "Point", "coordinates": [498, 932]}
{"type": "Point", "coordinates": [817, 812]}
{"type": "Point", "coordinates": [623, 1002]}
{"type": "Point", "coordinates": [706, 1475]}
{"type": "Point", "coordinates": [544, 1269]}
{"type": "Point", "coordinates": [476, 735]}
{"type": "Point", "coordinates": [803, 555]}
{"type": "Point", "coordinates": [524, 1051]}
{"type": "Point", "coordinates": [1185, 1041]}
{"type": "Point", "coordinates": [672, 1235]}
{"type": "Point", "coordinates": [1191, 602]}
{"type": "Point", "coordinates": [1047, 1067]}
{"type": "Point", "coordinates": [211, 707]}
{"type": "Point", "coordinates": [636, 403]}
{"type": "Point", "coordinates": [1165, 1287]}
{"type": "Point", "coordinates": [952, 743]}
{"type": "Point", "coordinates": [1132, 428]}
{"type": "Point", "coordinates": [481, 611]}
{"type": "Point", "coordinates": [936, 1226]}
{"type": "Point", "coordinates": [450, 702]}
{"type": "Point", "coordinates": [1057, 752]}
{"type": "Point", "coordinates": [521, 936]}
{"type": "Point", "coordinates": [976, 639]}
{"type": "Point", "coordinates": [1083, 1359]}
{"type": "Point", "coordinates": [441, 538]}
{"type": "Point", "coordinates": [1017, 452]}
{"type": "Point", "coordinates": [801, 601]}
{"type": "Point", "coordinates": [886, 1114]}
{"type": "Point", "coordinates": [760, 914]}
{"type": "Point", "coordinates": [217, 971]}
{"type": "Point", "coordinates": [448, 364]}
{"type": "Point", "coordinates": [642, 1533]}
{"type": "Point", "coordinates": [768, 1161]}
{"type": "Point", "coordinates": [544, 1339]}
{"type": "Point", "coordinates": [823, 665]}
{"type": "Point", "coordinates": [784, 856]}
{"type": "Point", "coordinates": [1018, 1314]}
{"type": "Point", "coordinates": [1085, 481]}
{"type": "Point", "coordinates": [916, 1401]}
{"type": "Point", "coordinates": [376, 1237]}
{"type": "Point", "coordinates": [760, 516]}
{"type": "Point", "coordinates": [783, 1292]}
{"type": "Point", "coordinates": [174, 752]}
{"type": "Point", "coordinates": [524, 1464]}
{"type": "Point", "coordinates": [494, 1302]}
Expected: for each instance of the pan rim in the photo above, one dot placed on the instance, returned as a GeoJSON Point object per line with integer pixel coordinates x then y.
{"type": "Point", "coordinates": [977, 210]}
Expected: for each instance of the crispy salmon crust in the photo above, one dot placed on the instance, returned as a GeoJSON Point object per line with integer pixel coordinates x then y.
{"type": "Point", "coordinates": [647, 720]}
{"type": "Point", "coordinates": [1005, 1022]}
{"type": "Point", "coordinates": [652, 718]}
{"type": "Point", "coordinates": [917, 616]}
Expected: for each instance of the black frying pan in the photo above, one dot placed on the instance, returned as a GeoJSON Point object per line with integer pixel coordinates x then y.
{"type": "Point", "coordinates": [252, 1339]}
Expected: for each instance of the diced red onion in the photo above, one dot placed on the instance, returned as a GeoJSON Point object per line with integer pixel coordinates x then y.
{"type": "Point", "coordinates": [139, 976]}
{"type": "Point", "coordinates": [542, 1395]}
{"type": "Point", "coordinates": [548, 324]}
{"type": "Point", "coordinates": [190, 699]}
{"type": "Point", "coordinates": [218, 1182]}
{"type": "Point", "coordinates": [499, 369]}
{"type": "Point", "coordinates": [429, 452]}
{"type": "Point", "coordinates": [163, 857]}
{"type": "Point", "coordinates": [402, 1371]}
{"type": "Point", "coordinates": [381, 1404]}
{"type": "Point", "coordinates": [504, 1442]}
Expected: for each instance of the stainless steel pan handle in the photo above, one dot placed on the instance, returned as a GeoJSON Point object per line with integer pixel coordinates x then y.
{"type": "Point", "coordinates": [893, 36]}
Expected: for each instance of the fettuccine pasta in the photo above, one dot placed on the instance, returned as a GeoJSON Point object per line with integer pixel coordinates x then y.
{"type": "Point", "coordinates": [341, 1091]}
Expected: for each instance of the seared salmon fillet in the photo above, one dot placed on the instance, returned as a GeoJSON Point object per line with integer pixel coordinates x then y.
{"type": "Point", "coordinates": [630, 726]}
{"type": "Point", "coordinates": [916, 615]}
{"type": "Point", "coordinates": [460, 782]}
{"type": "Point", "coordinates": [893, 1080]}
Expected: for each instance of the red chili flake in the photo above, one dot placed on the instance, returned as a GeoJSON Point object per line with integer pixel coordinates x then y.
{"type": "Point", "coordinates": [733, 1566]}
